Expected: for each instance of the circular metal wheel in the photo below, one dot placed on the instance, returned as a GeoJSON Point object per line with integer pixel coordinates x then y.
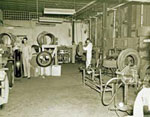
{"type": "Point", "coordinates": [44, 59]}
{"type": "Point", "coordinates": [128, 57]}
{"type": "Point", "coordinates": [45, 38]}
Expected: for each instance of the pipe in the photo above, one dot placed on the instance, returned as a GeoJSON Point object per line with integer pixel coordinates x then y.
{"type": "Point", "coordinates": [73, 32]}
{"type": "Point", "coordinates": [114, 95]}
{"type": "Point", "coordinates": [114, 28]}
{"type": "Point", "coordinates": [37, 8]}
{"type": "Point", "coordinates": [113, 8]}
{"type": "Point", "coordinates": [142, 13]}
{"type": "Point", "coordinates": [84, 7]}
{"type": "Point", "coordinates": [96, 44]}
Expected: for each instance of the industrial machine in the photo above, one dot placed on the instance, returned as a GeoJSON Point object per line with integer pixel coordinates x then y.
{"type": "Point", "coordinates": [4, 83]}
{"type": "Point", "coordinates": [6, 44]}
{"type": "Point", "coordinates": [4, 87]}
{"type": "Point", "coordinates": [64, 54]}
{"type": "Point", "coordinates": [127, 66]}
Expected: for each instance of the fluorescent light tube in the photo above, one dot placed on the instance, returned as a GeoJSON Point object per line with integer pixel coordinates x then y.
{"type": "Point", "coordinates": [52, 20]}
{"type": "Point", "coordinates": [59, 11]}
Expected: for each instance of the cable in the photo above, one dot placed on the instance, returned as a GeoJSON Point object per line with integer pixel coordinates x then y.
{"type": "Point", "coordinates": [104, 91]}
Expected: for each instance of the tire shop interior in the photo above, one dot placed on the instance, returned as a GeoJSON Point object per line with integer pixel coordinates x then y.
{"type": "Point", "coordinates": [74, 58]}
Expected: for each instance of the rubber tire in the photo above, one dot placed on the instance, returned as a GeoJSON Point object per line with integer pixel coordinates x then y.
{"type": "Point", "coordinates": [17, 69]}
{"type": "Point", "coordinates": [122, 56]}
{"type": "Point", "coordinates": [11, 36]}
{"type": "Point", "coordinates": [38, 58]}
{"type": "Point", "coordinates": [41, 35]}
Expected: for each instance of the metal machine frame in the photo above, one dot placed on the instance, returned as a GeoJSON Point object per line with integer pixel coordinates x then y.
{"type": "Point", "coordinates": [4, 86]}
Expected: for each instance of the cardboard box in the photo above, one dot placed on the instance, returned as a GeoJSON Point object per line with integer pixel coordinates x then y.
{"type": "Point", "coordinates": [48, 71]}
{"type": "Point", "coordinates": [56, 70]}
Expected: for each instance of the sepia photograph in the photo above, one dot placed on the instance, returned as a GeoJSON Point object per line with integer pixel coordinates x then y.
{"type": "Point", "coordinates": [74, 58]}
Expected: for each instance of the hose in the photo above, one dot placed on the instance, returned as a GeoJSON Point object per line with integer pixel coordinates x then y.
{"type": "Point", "coordinates": [104, 91]}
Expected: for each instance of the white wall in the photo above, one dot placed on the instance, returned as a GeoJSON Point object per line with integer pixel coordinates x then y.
{"type": "Point", "coordinates": [81, 32]}
{"type": "Point", "coordinates": [61, 31]}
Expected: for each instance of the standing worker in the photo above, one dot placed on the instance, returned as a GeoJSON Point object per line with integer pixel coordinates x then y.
{"type": "Point", "coordinates": [26, 56]}
{"type": "Point", "coordinates": [88, 49]}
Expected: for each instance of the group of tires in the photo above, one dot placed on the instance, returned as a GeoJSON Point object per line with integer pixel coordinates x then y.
{"type": "Point", "coordinates": [132, 57]}
{"type": "Point", "coordinates": [44, 58]}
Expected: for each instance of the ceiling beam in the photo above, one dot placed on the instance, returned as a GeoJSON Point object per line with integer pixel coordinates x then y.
{"type": "Point", "coordinates": [145, 1]}
{"type": "Point", "coordinates": [87, 5]}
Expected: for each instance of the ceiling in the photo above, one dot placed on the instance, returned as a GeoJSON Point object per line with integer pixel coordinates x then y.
{"type": "Point", "coordinates": [39, 5]}
{"type": "Point", "coordinates": [31, 5]}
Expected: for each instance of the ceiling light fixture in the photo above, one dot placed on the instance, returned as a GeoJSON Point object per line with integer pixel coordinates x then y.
{"type": "Point", "coordinates": [51, 20]}
{"type": "Point", "coordinates": [59, 11]}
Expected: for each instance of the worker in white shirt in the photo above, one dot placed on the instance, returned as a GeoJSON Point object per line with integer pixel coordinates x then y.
{"type": "Point", "coordinates": [88, 49]}
{"type": "Point", "coordinates": [26, 56]}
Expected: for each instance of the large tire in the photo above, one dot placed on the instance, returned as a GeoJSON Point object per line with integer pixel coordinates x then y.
{"type": "Point", "coordinates": [44, 59]}
{"type": "Point", "coordinates": [43, 37]}
{"type": "Point", "coordinates": [128, 53]}
{"type": "Point", "coordinates": [17, 64]}
{"type": "Point", "coordinates": [9, 35]}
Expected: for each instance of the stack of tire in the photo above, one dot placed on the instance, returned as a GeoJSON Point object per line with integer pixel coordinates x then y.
{"type": "Point", "coordinates": [44, 58]}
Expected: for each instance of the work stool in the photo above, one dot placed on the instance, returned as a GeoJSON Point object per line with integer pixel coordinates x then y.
{"type": "Point", "coordinates": [93, 78]}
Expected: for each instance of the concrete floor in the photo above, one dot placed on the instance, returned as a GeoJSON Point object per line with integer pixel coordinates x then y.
{"type": "Point", "coordinates": [63, 96]}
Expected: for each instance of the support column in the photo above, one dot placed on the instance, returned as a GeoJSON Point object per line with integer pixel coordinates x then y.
{"type": "Point", "coordinates": [96, 42]}
{"type": "Point", "coordinates": [104, 30]}
{"type": "Point", "coordinates": [129, 20]}
{"type": "Point", "coordinates": [73, 32]}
